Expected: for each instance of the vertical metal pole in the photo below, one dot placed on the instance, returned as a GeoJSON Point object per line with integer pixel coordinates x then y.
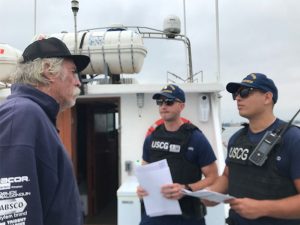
{"type": "Point", "coordinates": [184, 18]}
{"type": "Point", "coordinates": [75, 8]}
{"type": "Point", "coordinates": [188, 43]}
{"type": "Point", "coordinates": [75, 31]}
{"type": "Point", "coordinates": [217, 40]}
{"type": "Point", "coordinates": [34, 26]}
{"type": "Point", "coordinates": [187, 61]}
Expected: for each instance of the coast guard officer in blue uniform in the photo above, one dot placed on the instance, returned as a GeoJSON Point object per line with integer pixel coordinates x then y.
{"type": "Point", "coordinates": [267, 194]}
{"type": "Point", "coordinates": [189, 155]}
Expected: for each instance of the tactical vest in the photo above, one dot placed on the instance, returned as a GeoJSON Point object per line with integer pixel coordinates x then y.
{"type": "Point", "coordinates": [172, 146]}
{"type": "Point", "coordinates": [257, 182]}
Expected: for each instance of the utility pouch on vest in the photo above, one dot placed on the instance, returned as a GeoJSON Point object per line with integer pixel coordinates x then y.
{"type": "Point", "coordinates": [229, 221]}
{"type": "Point", "coordinates": [192, 208]}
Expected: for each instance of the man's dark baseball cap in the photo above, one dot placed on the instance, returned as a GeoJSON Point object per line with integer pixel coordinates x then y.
{"type": "Point", "coordinates": [255, 80]}
{"type": "Point", "coordinates": [171, 91]}
{"type": "Point", "coordinates": [53, 48]}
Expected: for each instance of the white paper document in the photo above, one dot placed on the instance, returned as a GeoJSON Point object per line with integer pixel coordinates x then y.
{"type": "Point", "coordinates": [208, 195]}
{"type": "Point", "coordinates": [152, 177]}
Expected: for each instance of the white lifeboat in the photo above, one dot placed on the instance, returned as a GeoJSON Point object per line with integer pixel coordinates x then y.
{"type": "Point", "coordinates": [8, 60]}
{"type": "Point", "coordinates": [122, 50]}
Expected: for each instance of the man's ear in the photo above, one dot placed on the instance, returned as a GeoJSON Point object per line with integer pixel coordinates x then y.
{"type": "Point", "coordinates": [269, 97]}
{"type": "Point", "coordinates": [46, 73]}
{"type": "Point", "coordinates": [182, 105]}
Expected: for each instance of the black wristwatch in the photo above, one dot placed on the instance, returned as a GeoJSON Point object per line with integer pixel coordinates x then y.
{"type": "Point", "coordinates": [187, 187]}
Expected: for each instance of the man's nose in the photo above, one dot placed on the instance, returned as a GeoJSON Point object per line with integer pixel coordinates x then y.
{"type": "Point", "coordinates": [77, 80]}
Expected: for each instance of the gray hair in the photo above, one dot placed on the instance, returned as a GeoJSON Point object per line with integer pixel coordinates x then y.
{"type": "Point", "coordinates": [32, 72]}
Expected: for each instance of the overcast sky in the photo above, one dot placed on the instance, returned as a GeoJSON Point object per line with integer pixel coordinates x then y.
{"type": "Point", "coordinates": [255, 36]}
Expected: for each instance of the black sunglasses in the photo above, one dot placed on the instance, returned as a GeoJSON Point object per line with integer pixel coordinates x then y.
{"type": "Point", "coordinates": [167, 101]}
{"type": "Point", "coordinates": [243, 92]}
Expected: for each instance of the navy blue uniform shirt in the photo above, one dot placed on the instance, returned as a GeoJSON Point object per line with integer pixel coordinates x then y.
{"type": "Point", "coordinates": [200, 153]}
{"type": "Point", "coordinates": [287, 162]}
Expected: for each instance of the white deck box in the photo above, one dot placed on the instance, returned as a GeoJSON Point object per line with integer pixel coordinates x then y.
{"type": "Point", "coordinates": [129, 205]}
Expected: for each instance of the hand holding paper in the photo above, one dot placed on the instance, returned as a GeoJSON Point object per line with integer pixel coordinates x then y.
{"type": "Point", "coordinates": [208, 195]}
{"type": "Point", "coordinates": [152, 177]}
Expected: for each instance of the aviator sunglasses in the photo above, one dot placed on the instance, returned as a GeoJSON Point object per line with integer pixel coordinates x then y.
{"type": "Point", "coordinates": [167, 101]}
{"type": "Point", "coordinates": [243, 92]}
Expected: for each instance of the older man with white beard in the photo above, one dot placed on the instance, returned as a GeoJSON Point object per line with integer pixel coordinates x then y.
{"type": "Point", "coordinates": [39, 186]}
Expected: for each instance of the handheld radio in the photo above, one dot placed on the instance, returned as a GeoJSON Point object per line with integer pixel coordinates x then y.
{"type": "Point", "coordinates": [266, 144]}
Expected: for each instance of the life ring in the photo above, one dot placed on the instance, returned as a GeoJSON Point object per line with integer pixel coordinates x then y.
{"type": "Point", "coordinates": [161, 121]}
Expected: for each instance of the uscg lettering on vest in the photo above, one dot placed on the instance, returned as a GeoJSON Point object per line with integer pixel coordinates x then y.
{"type": "Point", "coordinates": [238, 153]}
{"type": "Point", "coordinates": [161, 145]}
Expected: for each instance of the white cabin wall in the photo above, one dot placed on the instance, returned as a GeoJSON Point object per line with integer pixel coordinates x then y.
{"type": "Point", "coordinates": [133, 130]}
{"type": "Point", "coordinates": [217, 127]}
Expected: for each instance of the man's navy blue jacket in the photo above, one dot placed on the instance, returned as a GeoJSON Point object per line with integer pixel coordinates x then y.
{"type": "Point", "coordinates": [37, 184]}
